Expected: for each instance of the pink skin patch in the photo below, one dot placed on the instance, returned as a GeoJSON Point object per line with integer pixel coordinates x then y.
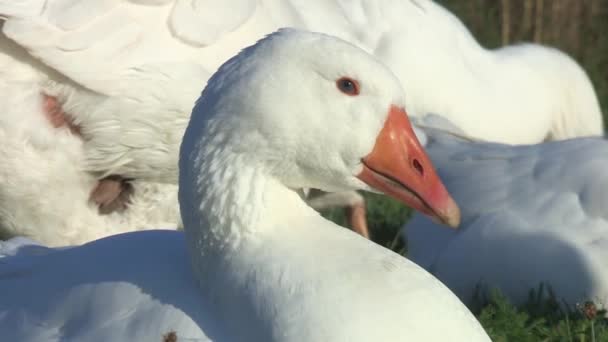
{"type": "Point", "coordinates": [56, 116]}
{"type": "Point", "coordinates": [356, 215]}
{"type": "Point", "coordinates": [112, 193]}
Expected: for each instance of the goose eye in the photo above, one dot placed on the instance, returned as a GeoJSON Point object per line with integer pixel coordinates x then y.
{"type": "Point", "coordinates": [348, 86]}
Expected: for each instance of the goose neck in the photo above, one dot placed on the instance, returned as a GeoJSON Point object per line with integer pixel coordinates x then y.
{"type": "Point", "coordinates": [232, 201]}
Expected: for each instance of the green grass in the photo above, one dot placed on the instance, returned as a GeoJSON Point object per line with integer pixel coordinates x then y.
{"type": "Point", "coordinates": [541, 318]}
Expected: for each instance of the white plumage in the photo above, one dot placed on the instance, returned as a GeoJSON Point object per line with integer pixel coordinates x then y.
{"type": "Point", "coordinates": [128, 287]}
{"type": "Point", "coordinates": [44, 192]}
{"type": "Point", "coordinates": [530, 214]}
{"type": "Point", "coordinates": [255, 246]}
{"type": "Point", "coordinates": [138, 66]}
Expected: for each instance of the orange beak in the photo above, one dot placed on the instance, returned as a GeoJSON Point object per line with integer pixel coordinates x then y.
{"type": "Point", "coordinates": [399, 167]}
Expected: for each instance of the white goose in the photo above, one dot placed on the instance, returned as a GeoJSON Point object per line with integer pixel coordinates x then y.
{"type": "Point", "coordinates": [44, 192]}
{"type": "Point", "coordinates": [44, 189]}
{"type": "Point", "coordinates": [530, 214]}
{"type": "Point", "coordinates": [255, 247]}
{"type": "Point", "coordinates": [136, 67]}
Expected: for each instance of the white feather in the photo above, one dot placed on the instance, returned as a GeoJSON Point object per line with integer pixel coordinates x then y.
{"type": "Point", "coordinates": [44, 190]}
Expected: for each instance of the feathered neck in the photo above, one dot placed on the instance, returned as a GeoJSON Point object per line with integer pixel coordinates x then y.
{"type": "Point", "coordinates": [228, 198]}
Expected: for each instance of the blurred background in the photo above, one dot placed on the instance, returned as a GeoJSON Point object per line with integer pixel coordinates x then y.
{"type": "Point", "coordinates": [578, 27]}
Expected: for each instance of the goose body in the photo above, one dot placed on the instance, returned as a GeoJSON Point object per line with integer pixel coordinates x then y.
{"type": "Point", "coordinates": [530, 214]}
{"type": "Point", "coordinates": [129, 71]}
{"type": "Point", "coordinates": [253, 244]}
{"type": "Point", "coordinates": [91, 293]}
{"type": "Point", "coordinates": [44, 190]}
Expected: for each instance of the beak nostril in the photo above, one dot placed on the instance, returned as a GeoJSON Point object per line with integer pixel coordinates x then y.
{"type": "Point", "coordinates": [418, 167]}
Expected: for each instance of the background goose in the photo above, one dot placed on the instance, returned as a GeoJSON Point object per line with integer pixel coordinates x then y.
{"type": "Point", "coordinates": [530, 214]}
{"type": "Point", "coordinates": [253, 243]}
{"type": "Point", "coordinates": [130, 70]}
{"type": "Point", "coordinates": [44, 191]}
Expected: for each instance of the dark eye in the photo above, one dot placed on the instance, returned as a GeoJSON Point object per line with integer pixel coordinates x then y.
{"type": "Point", "coordinates": [348, 86]}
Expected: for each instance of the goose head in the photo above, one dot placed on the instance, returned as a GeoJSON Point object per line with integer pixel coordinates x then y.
{"type": "Point", "coordinates": [310, 110]}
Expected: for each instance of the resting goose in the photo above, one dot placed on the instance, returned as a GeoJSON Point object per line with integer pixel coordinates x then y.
{"type": "Point", "coordinates": [530, 214]}
{"type": "Point", "coordinates": [44, 191]}
{"type": "Point", "coordinates": [134, 69]}
{"type": "Point", "coordinates": [264, 265]}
